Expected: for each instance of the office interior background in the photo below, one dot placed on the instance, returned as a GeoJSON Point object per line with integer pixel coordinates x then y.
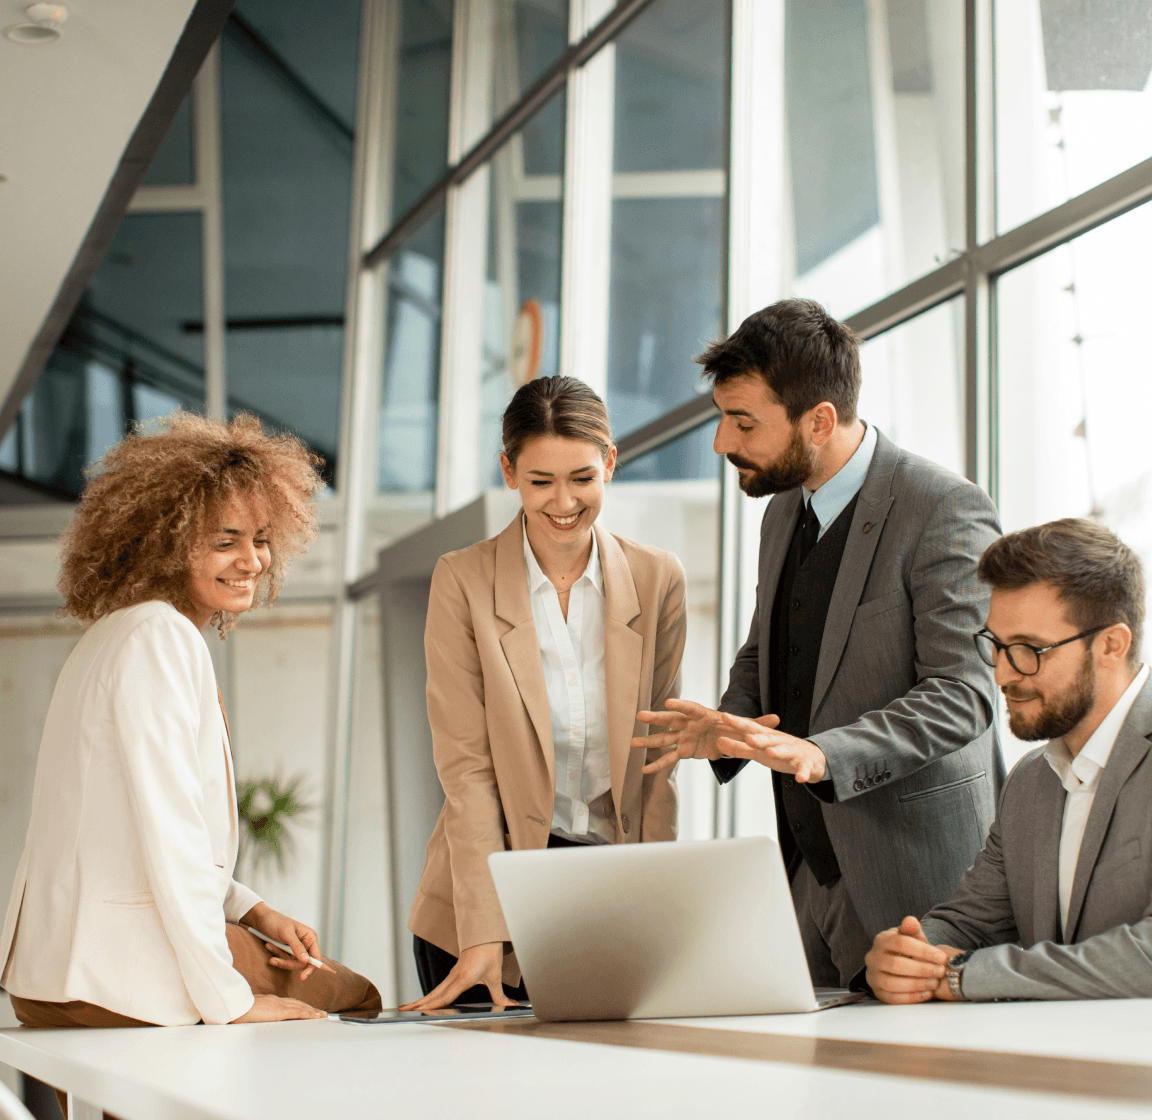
{"type": "Point", "coordinates": [370, 221]}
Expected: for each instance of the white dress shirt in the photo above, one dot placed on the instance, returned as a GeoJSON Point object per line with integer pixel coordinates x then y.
{"type": "Point", "coordinates": [1080, 777]}
{"type": "Point", "coordinates": [572, 654]}
{"type": "Point", "coordinates": [828, 501]}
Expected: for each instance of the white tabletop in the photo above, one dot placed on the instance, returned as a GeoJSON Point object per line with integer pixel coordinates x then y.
{"type": "Point", "coordinates": [326, 1068]}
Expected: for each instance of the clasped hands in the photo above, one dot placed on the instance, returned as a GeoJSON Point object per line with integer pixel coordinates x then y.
{"type": "Point", "coordinates": [903, 967]}
{"type": "Point", "coordinates": [695, 731]}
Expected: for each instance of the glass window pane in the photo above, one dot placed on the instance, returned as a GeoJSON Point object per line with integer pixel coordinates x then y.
{"type": "Point", "coordinates": [409, 408]}
{"type": "Point", "coordinates": [175, 159]}
{"type": "Point", "coordinates": [423, 72]}
{"type": "Point", "coordinates": [136, 331]}
{"type": "Point", "coordinates": [1071, 349]}
{"type": "Point", "coordinates": [288, 122]}
{"type": "Point", "coordinates": [522, 278]}
{"type": "Point", "coordinates": [912, 385]}
{"type": "Point", "coordinates": [679, 510]}
{"type": "Point", "coordinates": [874, 115]}
{"type": "Point", "coordinates": [667, 266]}
{"type": "Point", "coordinates": [530, 35]}
{"type": "Point", "coordinates": [1073, 99]}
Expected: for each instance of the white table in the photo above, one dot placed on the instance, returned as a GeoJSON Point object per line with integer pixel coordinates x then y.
{"type": "Point", "coordinates": [917, 1061]}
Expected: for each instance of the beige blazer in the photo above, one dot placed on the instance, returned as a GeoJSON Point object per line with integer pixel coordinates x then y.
{"type": "Point", "coordinates": [126, 880]}
{"type": "Point", "coordinates": [491, 729]}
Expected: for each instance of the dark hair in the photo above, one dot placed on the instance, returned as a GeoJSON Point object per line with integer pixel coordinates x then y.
{"type": "Point", "coordinates": [1096, 574]}
{"type": "Point", "coordinates": [803, 354]}
{"type": "Point", "coordinates": [555, 406]}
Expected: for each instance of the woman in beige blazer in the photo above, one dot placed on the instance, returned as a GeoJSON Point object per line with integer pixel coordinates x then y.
{"type": "Point", "coordinates": [541, 645]}
{"type": "Point", "coordinates": [125, 911]}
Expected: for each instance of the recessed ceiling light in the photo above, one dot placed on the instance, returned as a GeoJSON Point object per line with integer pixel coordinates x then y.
{"type": "Point", "coordinates": [43, 28]}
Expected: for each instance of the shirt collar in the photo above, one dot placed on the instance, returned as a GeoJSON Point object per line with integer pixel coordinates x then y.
{"type": "Point", "coordinates": [536, 577]}
{"type": "Point", "coordinates": [1087, 766]}
{"type": "Point", "coordinates": [831, 498]}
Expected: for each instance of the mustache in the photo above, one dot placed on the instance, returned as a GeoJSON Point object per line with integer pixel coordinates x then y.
{"type": "Point", "coordinates": [736, 461]}
{"type": "Point", "coordinates": [1012, 694]}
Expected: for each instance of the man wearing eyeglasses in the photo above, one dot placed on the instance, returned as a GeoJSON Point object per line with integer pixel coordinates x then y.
{"type": "Point", "coordinates": [1058, 905]}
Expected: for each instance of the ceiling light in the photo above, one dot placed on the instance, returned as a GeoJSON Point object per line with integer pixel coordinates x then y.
{"type": "Point", "coordinates": [43, 26]}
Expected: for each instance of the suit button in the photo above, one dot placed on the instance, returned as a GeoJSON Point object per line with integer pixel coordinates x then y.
{"type": "Point", "coordinates": [625, 823]}
{"type": "Point", "coordinates": [857, 785]}
{"type": "Point", "coordinates": [794, 650]}
{"type": "Point", "coordinates": [789, 782]}
{"type": "Point", "coordinates": [795, 603]}
{"type": "Point", "coordinates": [796, 827]}
{"type": "Point", "coordinates": [795, 694]}
{"type": "Point", "coordinates": [887, 774]}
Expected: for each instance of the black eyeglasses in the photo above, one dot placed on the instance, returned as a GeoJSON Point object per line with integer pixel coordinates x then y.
{"type": "Point", "coordinates": [1025, 659]}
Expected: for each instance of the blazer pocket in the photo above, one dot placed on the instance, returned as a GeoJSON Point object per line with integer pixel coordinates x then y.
{"type": "Point", "coordinates": [917, 794]}
{"type": "Point", "coordinates": [1124, 853]}
{"type": "Point", "coordinates": [880, 605]}
{"type": "Point", "coordinates": [136, 898]}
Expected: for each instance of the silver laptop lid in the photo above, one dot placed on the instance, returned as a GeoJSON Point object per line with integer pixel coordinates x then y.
{"type": "Point", "coordinates": [666, 930]}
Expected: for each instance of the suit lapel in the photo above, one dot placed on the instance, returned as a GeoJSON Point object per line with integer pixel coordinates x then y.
{"type": "Point", "coordinates": [1047, 821]}
{"type": "Point", "coordinates": [520, 644]}
{"type": "Point", "coordinates": [872, 508]}
{"type": "Point", "coordinates": [776, 536]}
{"type": "Point", "coordinates": [1128, 752]}
{"type": "Point", "coordinates": [623, 657]}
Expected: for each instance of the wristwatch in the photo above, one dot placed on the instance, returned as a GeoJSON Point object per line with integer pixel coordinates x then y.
{"type": "Point", "coordinates": [954, 973]}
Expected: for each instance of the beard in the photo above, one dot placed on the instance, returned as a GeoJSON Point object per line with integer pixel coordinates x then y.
{"type": "Point", "coordinates": [792, 469]}
{"type": "Point", "coordinates": [1060, 715]}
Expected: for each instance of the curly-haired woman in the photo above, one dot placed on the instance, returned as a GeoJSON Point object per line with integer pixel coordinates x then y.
{"type": "Point", "coordinates": [124, 911]}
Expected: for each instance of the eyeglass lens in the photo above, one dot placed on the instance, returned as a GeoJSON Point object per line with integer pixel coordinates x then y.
{"type": "Point", "coordinates": [1022, 658]}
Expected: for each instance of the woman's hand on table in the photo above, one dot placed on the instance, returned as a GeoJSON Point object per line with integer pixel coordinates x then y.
{"type": "Point", "coordinates": [275, 1009]}
{"type": "Point", "coordinates": [301, 939]}
{"type": "Point", "coordinates": [478, 964]}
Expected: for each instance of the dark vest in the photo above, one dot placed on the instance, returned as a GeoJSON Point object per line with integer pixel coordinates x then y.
{"type": "Point", "coordinates": [798, 615]}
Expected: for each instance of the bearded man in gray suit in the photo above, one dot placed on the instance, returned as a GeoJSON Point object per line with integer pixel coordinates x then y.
{"type": "Point", "coordinates": [858, 685]}
{"type": "Point", "coordinates": [1058, 905]}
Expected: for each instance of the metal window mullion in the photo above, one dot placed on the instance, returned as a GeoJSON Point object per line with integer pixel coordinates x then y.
{"type": "Point", "coordinates": [357, 460]}
{"type": "Point", "coordinates": [209, 182]}
{"type": "Point", "coordinates": [586, 262]}
{"type": "Point", "coordinates": [465, 258]}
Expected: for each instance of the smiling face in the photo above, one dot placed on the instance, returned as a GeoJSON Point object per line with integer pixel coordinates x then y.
{"type": "Point", "coordinates": [561, 483]}
{"type": "Point", "coordinates": [227, 565]}
{"type": "Point", "coordinates": [1057, 699]}
{"type": "Point", "coordinates": [758, 439]}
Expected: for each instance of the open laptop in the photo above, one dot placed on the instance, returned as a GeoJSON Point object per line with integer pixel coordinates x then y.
{"type": "Point", "coordinates": [657, 931]}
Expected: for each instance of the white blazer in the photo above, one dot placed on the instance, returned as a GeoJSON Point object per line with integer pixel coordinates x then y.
{"type": "Point", "coordinates": [126, 879]}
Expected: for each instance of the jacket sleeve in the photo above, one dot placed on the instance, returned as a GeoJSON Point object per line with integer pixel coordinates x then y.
{"type": "Point", "coordinates": [239, 900]}
{"type": "Point", "coordinates": [742, 696]}
{"type": "Point", "coordinates": [953, 700]}
{"type": "Point", "coordinates": [979, 913]}
{"type": "Point", "coordinates": [1115, 964]}
{"type": "Point", "coordinates": [659, 791]}
{"type": "Point", "coordinates": [473, 814]}
{"type": "Point", "coordinates": [156, 686]}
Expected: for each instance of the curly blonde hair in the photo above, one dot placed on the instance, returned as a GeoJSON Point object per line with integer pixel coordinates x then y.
{"type": "Point", "coordinates": [152, 499]}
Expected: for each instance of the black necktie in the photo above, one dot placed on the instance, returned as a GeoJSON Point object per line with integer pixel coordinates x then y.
{"type": "Point", "coordinates": [809, 532]}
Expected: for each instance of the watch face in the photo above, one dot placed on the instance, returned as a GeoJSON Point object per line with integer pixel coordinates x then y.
{"type": "Point", "coordinates": [961, 959]}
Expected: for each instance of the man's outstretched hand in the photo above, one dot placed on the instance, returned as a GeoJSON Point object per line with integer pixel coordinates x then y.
{"type": "Point", "coordinates": [904, 968]}
{"type": "Point", "coordinates": [695, 731]}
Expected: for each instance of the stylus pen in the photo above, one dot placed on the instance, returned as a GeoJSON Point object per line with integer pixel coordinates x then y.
{"type": "Point", "coordinates": [286, 948]}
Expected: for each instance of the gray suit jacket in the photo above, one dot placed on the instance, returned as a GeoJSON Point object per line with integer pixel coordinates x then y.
{"type": "Point", "coordinates": [902, 707]}
{"type": "Point", "coordinates": [1009, 898]}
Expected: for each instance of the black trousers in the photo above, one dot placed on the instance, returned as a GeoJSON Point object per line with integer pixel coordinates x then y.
{"type": "Point", "coordinates": [433, 963]}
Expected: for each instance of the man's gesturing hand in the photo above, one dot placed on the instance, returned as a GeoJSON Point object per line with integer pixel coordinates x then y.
{"type": "Point", "coordinates": [904, 968]}
{"type": "Point", "coordinates": [779, 751]}
{"type": "Point", "coordinates": [695, 731]}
